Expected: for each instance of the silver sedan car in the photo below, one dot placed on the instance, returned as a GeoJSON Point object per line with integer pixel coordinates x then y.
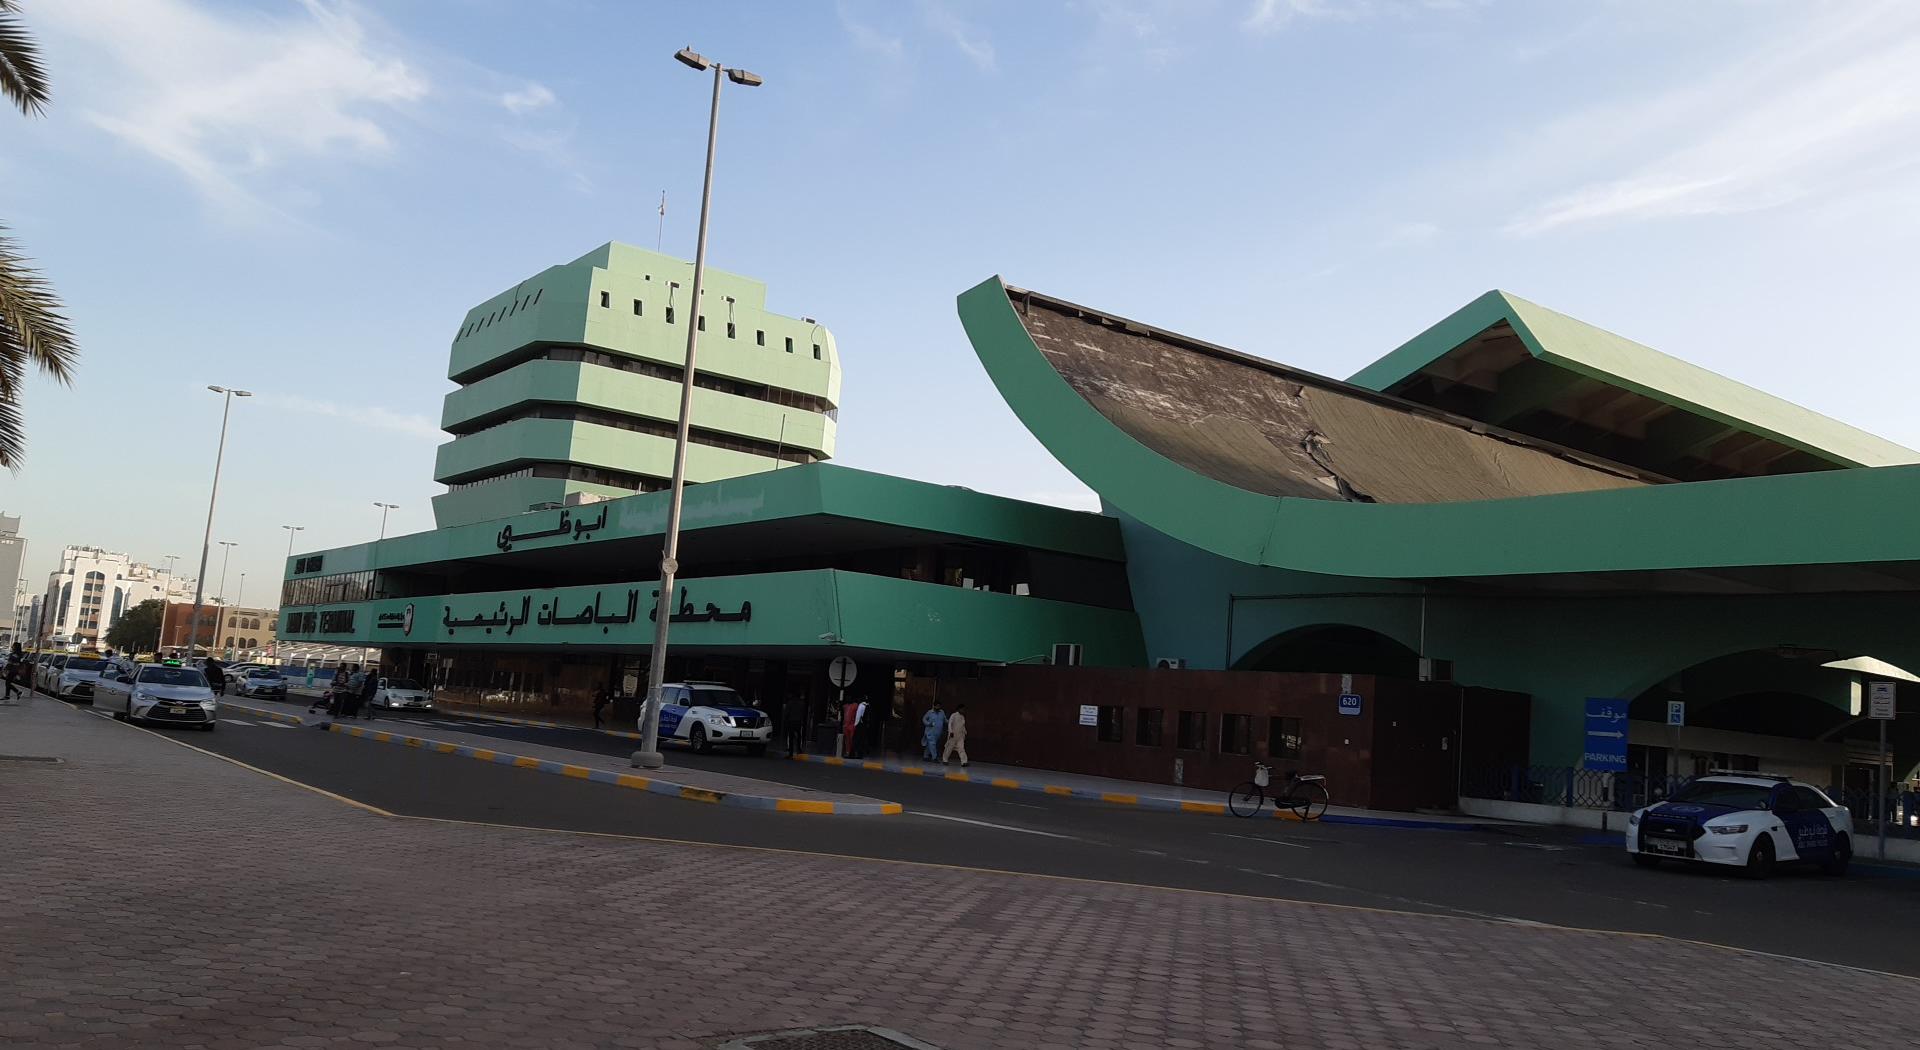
{"type": "Point", "coordinates": [160, 693]}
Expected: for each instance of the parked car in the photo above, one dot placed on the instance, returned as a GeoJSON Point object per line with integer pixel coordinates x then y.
{"type": "Point", "coordinates": [161, 693]}
{"type": "Point", "coordinates": [708, 714]}
{"type": "Point", "coordinates": [259, 681]}
{"type": "Point", "coordinates": [397, 694]}
{"type": "Point", "coordinates": [76, 677]}
{"type": "Point", "coordinates": [48, 671]}
{"type": "Point", "coordinates": [1749, 821]}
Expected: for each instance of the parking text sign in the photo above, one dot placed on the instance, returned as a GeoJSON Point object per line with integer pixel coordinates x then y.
{"type": "Point", "coordinates": [1606, 745]}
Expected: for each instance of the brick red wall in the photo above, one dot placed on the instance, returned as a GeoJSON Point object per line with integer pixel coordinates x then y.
{"type": "Point", "coordinates": [1391, 755]}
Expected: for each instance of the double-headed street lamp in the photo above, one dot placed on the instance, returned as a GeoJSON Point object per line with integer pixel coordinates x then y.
{"type": "Point", "coordinates": [649, 754]}
{"type": "Point", "coordinates": [384, 508]}
{"type": "Point", "coordinates": [291, 529]}
{"type": "Point", "coordinates": [206, 541]}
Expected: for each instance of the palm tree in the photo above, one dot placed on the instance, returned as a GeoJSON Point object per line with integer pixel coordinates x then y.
{"type": "Point", "coordinates": [32, 329]}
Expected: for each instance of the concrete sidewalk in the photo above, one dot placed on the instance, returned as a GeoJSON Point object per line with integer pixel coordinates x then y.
{"type": "Point", "coordinates": [225, 923]}
{"type": "Point", "coordinates": [1166, 797]}
{"type": "Point", "coordinates": [694, 785]}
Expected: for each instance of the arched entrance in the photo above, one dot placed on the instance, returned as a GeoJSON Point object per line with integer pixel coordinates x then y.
{"type": "Point", "coordinates": [1333, 648]}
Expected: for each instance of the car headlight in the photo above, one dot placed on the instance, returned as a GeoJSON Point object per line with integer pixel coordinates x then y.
{"type": "Point", "coordinates": [716, 720]}
{"type": "Point", "coordinates": [1727, 829]}
{"type": "Point", "coordinates": [208, 704]}
{"type": "Point", "coordinates": [1633, 819]}
{"type": "Point", "coordinates": [139, 697]}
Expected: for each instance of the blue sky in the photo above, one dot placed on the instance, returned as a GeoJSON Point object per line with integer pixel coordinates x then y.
{"type": "Point", "coordinates": [302, 199]}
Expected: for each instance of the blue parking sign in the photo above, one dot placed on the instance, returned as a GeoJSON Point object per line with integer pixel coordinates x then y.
{"type": "Point", "coordinates": [1606, 743]}
{"type": "Point", "coordinates": [1350, 704]}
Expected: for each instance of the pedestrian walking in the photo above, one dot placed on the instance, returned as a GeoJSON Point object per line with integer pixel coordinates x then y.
{"type": "Point", "coordinates": [329, 697]}
{"type": "Point", "coordinates": [849, 719]}
{"type": "Point", "coordinates": [368, 688]}
{"type": "Point", "coordinates": [216, 676]}
{"type": "Point", "coordinates": [956, 736]}
{"type": "Point", "coordinates": [933, 725]}
{"type": "Point", "coordinates": [600, 702]}
{"type": "Point", "coordinates": [862, 729]}
{"type": "Point", "coordinates": [16, 666]}
{"type": "Point", "coordinates": [347, 701]}
{"type": "Point", "coordinates": [793, 723]}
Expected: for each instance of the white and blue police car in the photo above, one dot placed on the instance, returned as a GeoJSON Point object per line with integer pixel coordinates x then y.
{"type": "Point", "coordinates": [710, 714]}
{"type": "Point", "coordinates": [1749, 821]}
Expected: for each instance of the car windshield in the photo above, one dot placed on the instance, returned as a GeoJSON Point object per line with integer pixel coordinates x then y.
{"type": "Point", "coordinates": [85, 664]}
{"type": "Point", "coordinates": [713, 697]}
{"type": "Point", "coordinates": [263, 673]}
{"type": "Point", "coordinates": [172, 676]}
{"type": "Point", "coordinates": [403, 683]}
{"type": "Point", "coordinates": [1725, 793]}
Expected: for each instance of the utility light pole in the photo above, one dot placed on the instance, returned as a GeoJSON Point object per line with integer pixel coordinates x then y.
{"type": "Point", "coordinates": [206, 541]}
{"type": "Point", "coordinates": [291, 529]}
{"type": "Point", "coordinates": [648, 756]}
{"type": "Point", "coordinates": [224, 559]}
{"type": "Point", "coordinates": [384, 508]}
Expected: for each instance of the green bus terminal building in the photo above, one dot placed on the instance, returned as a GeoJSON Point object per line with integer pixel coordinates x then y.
{"type": "Point", "coordinates": [1420, 579]}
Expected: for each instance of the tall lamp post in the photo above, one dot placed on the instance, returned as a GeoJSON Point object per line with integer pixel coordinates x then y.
{"type": "Point", "coordinates": [206, 541]}
{"type": "Point", "coordinates": [649, 754]}
{"type": "Point", "coordinates": [225, 557]}
{"type": "Point", "coordinates": [291, 529]}
{"type": "Point", "coordinates": [384, 508]}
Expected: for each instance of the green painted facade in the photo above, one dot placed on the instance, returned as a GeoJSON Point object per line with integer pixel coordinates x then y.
{"type": "Point", "coordinates": [797, 512]}
{"type": "Point", "coordinates": [1563, 597]}
{"type": "Point", "coordinates": [569, 385]}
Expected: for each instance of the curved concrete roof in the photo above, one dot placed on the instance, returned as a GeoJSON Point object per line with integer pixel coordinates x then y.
{"type": "Point", "coordinates": [1271, 466]}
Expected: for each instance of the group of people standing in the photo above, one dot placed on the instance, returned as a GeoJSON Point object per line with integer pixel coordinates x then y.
{"type": "Point", "coordinates": [862, 728]}
{"type": "Point", "coordinates": [351, 695]}
{"type": "Point", "coordinates": [937, 723]}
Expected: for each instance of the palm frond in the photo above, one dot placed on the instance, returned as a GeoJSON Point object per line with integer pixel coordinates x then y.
{"type": "Point", "coordinates": [23, 80]}
{"type": "Point", "coordinates": [33, 332]}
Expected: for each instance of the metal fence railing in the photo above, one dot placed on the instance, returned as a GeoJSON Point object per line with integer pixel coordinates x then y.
{"type": "Point", "coordinates": [1566, 786]}
{"type": "Point", "coordinates": [1594, 789]}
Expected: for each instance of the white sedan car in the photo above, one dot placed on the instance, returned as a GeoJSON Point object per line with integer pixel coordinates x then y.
{"type": "Point", "coordinates": [161, 693]}
{"type": "Point", "coordinates": [402, 694]}
{"type": "Point", "coordinates": [75, 677]}
{"type": "Point", "coordinates": [705, 714]}
{"type": "Point", "coordinates": [1744, 820]}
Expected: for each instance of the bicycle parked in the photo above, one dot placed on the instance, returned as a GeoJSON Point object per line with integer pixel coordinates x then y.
{"type": "Point", "coordinates": [1303, 793]}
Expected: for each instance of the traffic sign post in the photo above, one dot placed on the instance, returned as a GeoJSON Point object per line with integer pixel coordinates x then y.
{"type": "Point", "coordinates": [1606, 745]}
{"type": "Point", "coordinates": [1880, 708]}
{"type": "Point", "coordinates": [841, 671]}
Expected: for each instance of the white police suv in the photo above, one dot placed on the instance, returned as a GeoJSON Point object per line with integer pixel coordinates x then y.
{"type": "Point", "coordinates": [706, 714]}
{"type": "Point", "coordinates": [1744, 820]}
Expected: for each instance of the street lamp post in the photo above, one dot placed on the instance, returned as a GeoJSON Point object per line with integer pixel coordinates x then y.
{"type": "Point", "coordinates": [206, 541]}
{"type": "Point", "coordinates": [649, 754]}
{"type": "Point", "coordinates": [384, 508]}
{"type": "Point", "coordinates": [240, 595]}
{"type": "Point", "coordinates": [225, 557]}
{"type": "Point", "coordinates": [291, 529]}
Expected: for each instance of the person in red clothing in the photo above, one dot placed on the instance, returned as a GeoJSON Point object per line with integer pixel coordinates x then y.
{"type": "Point", "coordinates": [849, 725]}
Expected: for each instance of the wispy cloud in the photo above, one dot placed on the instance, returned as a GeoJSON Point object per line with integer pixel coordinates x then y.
{"type": "Point", "coordinates": [867, 38]}
{"type": "Point", "coordinates": [527, 99]}
{"type": "Point", "coordinates": [1829, 111]}
{"type": "Point", "coordinates": [1271, 16]}
{"type": "Point", "coordinates": [967, 38]}
{"type": "Point", "coordinates": [229, 99]}
{"type": "Point", "coordinates": [373, 416]}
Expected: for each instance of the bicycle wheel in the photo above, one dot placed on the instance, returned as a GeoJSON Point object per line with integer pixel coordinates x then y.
{"type": "Point", "coordinates": [1246, 800]}
{"type": "Point", "coordinates": [1308, 801]}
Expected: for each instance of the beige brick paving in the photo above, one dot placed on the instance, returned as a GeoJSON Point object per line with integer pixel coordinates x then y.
{"type": "Point", "coordinates": [153, 897]}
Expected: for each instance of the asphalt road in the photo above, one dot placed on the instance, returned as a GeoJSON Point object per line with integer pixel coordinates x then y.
{"type": "Point", "coordinates": [1555, 876]}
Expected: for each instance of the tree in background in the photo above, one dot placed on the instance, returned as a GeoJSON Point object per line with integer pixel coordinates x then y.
{"type": "Point", "coordinates": [138, 629]}
{"type": "Point", "coordinates": [32, 329]}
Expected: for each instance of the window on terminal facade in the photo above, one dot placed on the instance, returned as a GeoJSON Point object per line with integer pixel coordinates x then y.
{"type": "Point", "coordinates": [816, 351]}
{"type": "Point", "coordinates": [638, 309]}
{"type": "Point", "coordinates": [1112, 725]}
{"type": "Point", "coordinates": [1236, 734]}
{"type": "Point", "coordinates": [789, 344]}
{"type": "Point", "coordinates": [1192, 735]}
{"type": "Point", "coordinates": [669, 315]}
{"type": "Point", "coordinates": [700, 322]}
{"type": "Point", "coordinates": [759, 337]}
{"type": "Point", "coordinates": [606, 298]}
{"type": "Point", "coordinates": [1283, 737]}
{"type": "Point", "coordinates": [1149, 723]}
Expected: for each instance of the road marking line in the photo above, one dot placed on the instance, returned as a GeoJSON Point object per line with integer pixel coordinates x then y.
{"type": "Point", "coordinates": [235, 722]}
{"type": "Point", "coordinates": [1005, 873]}
{"type": "Point", "coordinates": [276, 725]}
{"type": "Point", "coordinates": [1257, 838]}
{"type": "Point", "coordinates": [1022, 805]}
{"type": "Point", "coordinates": [989, 824]}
